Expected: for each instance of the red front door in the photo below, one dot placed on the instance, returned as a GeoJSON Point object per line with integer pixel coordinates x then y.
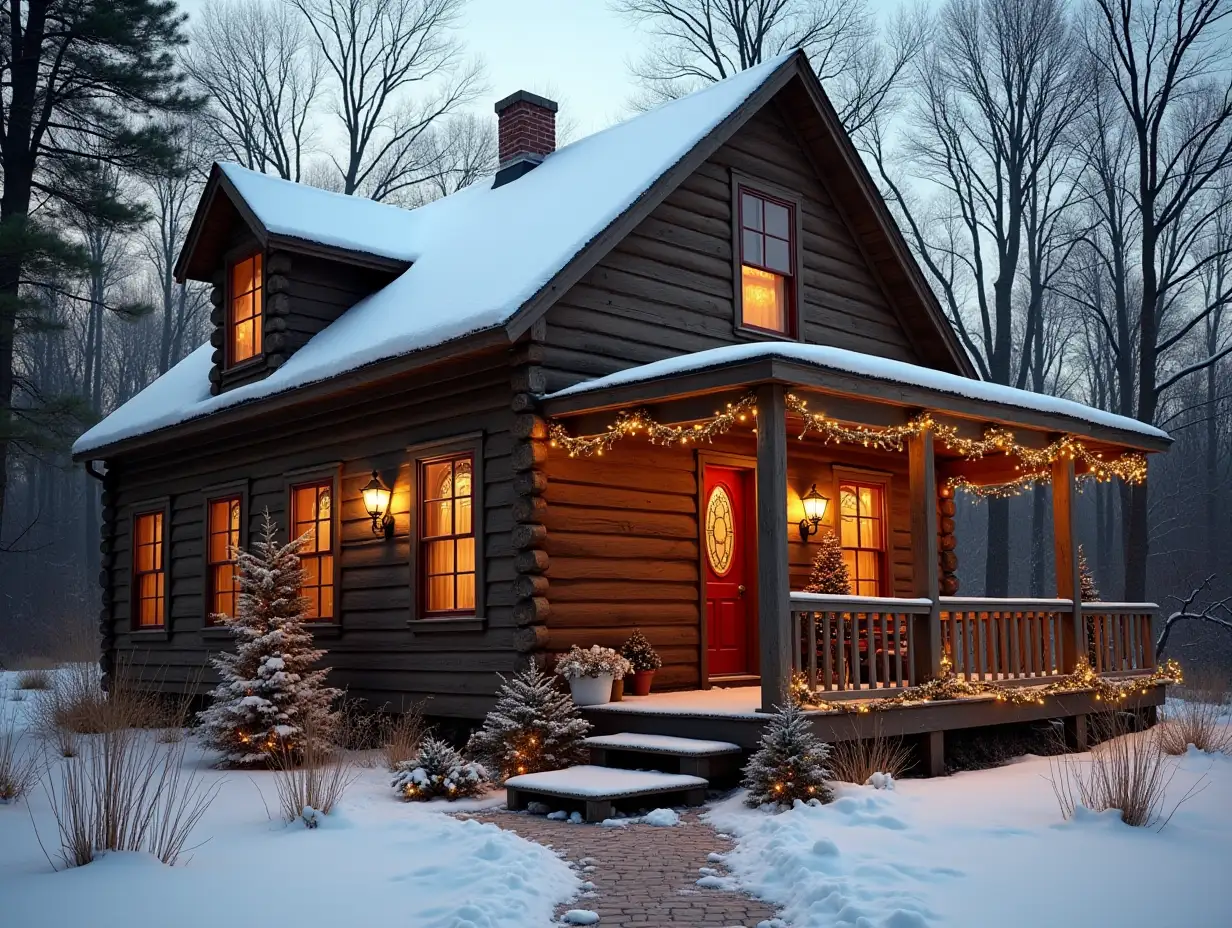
{"type": "Point", "coordinates": [728, 566]}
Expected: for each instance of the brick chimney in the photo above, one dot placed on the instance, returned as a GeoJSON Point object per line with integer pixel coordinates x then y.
{"type": "Point", "coordinates": [526, 133]}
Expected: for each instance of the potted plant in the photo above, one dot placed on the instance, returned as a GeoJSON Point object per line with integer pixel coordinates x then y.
{"type": "Point", "coordinates": [590, 672]}
{"type": "Point", "coordinates": [644, 659]}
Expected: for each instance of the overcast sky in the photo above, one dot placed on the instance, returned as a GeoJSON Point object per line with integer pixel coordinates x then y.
{"type": "Point", "coordinates": [576, 51]}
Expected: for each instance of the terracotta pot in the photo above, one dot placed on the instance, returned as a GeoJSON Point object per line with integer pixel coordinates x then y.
{"type": "Point", "coordinates": [591, 691]}
{"type": "Point", "coordinates": [618, 690]}
{"type": "Point", "coordinates": [641, 682]}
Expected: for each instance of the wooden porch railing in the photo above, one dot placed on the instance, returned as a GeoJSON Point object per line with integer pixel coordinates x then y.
{"type": "Point", "coordinates": [862, 643]}
{"type": "Point", "coordinates": [1119, 636]}
{"type": "Point", "coordinates": [855, 642]}
{"type": "Point", "coordinates": [1004, 639]}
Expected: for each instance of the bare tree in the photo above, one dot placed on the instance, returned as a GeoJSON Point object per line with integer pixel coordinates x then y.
{"type": "Point", "coordinates": [397, 68]}
{"type": "Point", "coordinates": [253, 61]}
{"type": "Point", "coordinates": [1191, 610]}
{"type": "Point", "coordinates": [1167, 60]}
{"type": "Point", "coordinates": [697, 42]}
{"type": "Point", "coordinates": [997, 91]}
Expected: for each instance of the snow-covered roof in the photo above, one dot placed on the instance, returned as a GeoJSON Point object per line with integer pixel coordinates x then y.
{"type": "Point", "coordinates": [477, 255]}
{"type": "Point", "coordinates": [864, 365]}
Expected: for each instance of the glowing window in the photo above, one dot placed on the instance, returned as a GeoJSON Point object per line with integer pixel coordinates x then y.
{"type": "Point", "coordinates": [862, 535]}
{"type": "Point", "coordinates": [149, 575]}
{"type": "Point", "coordinates": [222, 538]}
{"type": "Point", "coordinates": [767, 262]}
{"type": "Point", "coordinates": [245, 312]}
{"type": "Point", "coordinates": [447, 533]}
{"type": "Point", "coordinates": [720, 531]}
{"type": "Point", "coordinates": [312, 515]}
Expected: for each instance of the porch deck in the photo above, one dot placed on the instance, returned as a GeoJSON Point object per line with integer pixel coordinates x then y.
{"type": "Point", "coordinates": [733, 714]}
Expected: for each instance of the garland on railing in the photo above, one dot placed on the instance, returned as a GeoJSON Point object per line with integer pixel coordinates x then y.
{"type": "Point", "coordinates": [1130, 466]}
{"type": "Point", "coordinates": [950, 686]}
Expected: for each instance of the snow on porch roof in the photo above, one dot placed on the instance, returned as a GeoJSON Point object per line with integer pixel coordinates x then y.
{"type": "Point", "coordinates": [864, 365]}
{"type": "Point", "coordinates": [477, 255]}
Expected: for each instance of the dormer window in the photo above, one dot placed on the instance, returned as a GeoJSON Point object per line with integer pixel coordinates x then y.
{"type": "Point", "coordinates": [767, 244]}
{"type": "Point", "coordinates": [245, 306]}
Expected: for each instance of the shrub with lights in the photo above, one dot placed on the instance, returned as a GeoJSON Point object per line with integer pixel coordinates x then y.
{"type": "Point", "coordinates": [790, 763]}
{"type": "Point", "coordinates": [533, 727]}
{"type": "Point", "coordinates": [269, 695]}
{"type": "Point", "coordinates": [438, 770]}
{"type": "Point", "coordinates": [640, 653]}
{"type": "Point", "coordinates": [829, 573]}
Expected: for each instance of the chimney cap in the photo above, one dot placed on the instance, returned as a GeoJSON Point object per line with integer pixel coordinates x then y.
{"type": "Point", "coordinates": [526, 96]}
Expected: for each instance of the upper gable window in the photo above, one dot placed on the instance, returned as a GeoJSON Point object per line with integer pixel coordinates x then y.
{"type": "Point", "coordinates": [767, 262]}
{"type": "Point", "coordinates": [244, 317]}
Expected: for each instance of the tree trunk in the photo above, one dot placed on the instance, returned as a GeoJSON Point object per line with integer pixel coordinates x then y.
{"type": "Point", "coordinates": [997, 562]}
{"type": "Point", "coordinates": [1039, 513]}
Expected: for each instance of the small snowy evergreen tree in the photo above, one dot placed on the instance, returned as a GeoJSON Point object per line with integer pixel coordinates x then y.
{"type": "Point", "coordinates": [829, 573]}
{"type": "Point", "coordinates": [640, 652]}
{"type": "Point", "coordinates": [269, 694]}
{"type": "Point", "coordinates": [789, 764]}
{"type": "Point", "coordinates": [533, 727]}
{"type": "Point", "coordinates": [438, 770]}
{"type": "Point", "coordinates": [1087, 588]}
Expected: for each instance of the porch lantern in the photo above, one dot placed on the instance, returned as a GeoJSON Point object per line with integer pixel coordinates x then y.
{"type": "Point", "coordinates": [815, 506]}
{"type": "Point", "coordinates": [376, 501]}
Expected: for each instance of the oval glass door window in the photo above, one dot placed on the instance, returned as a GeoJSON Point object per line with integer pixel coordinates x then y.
{"type": "Point", "coordinates": [720, 531]}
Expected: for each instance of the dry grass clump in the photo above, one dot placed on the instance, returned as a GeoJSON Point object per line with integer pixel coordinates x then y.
{"type": "Point", "coordinates": [855, 761]}
{"type": "Point", "coordinates": [76, 702]}
{"type": "Point", "coordinates": [312, 779]}
{"type": "Point", "coordinates": [35, 678]}
{"type": "Point", "coordinates": [1197, 715]}
{"type": "Point", "coordinates": [404, 734]}
{"type": "Point", "coordinates": [126, 791]}
{"type": "Point", "coordinates": [1127, 771]}
{"type": "Point", "coordinates": [19, 767]}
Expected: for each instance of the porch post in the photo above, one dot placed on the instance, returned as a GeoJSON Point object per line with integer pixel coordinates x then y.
{"type": "Point", "coordinates": [773, 581]}
{"type": "Point", "coordinates": [1065, 548]}
{"type": "Point", "coordinates": [922, 488]}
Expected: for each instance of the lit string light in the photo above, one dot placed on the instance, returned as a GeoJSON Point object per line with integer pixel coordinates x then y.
{"type": "Point", "coordinates": [1035, 462]}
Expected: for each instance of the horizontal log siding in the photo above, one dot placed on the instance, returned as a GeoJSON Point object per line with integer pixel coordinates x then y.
{"type": "Point", "coordinates": [376, 655]}
{"type": "Point", "coordinates": [623, 541]}
{"type": "Point", "coordinates": [667, 289]}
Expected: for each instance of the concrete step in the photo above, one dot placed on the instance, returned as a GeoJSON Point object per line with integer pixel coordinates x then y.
{"type": "Point", "coordinates": [598, 788]}
{"type": "Point", "coordinates": [689, 756]}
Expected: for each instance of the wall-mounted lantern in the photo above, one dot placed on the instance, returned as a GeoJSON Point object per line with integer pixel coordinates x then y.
{"type": "Point", "coordinates": [815, 506]}
{"type": "Point", "coordinates": [376, 501]}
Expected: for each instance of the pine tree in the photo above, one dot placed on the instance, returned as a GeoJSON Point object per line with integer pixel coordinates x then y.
{"type": "Point", "coordinates": [829, 573]}
{"type": "Point", "coordinates": [533, 727]}
{"type": "Point", "coordinates": [438, 770]}
{"type": "Point", "coordinates": [1087, 589]}
{"type": "Point", "coordinates": [639, 652]}
{"type": "Point", "coordinates": [269, 692]}
{"type": "Point", "coordinates": [789, 764]}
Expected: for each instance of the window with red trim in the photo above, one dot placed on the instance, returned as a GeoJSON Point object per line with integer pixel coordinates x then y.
{"type": "Point", "coordinates": [447, 546]}
{"type": "Point", "coordinates": [222, 538]}
{"type": "Point", "coordinates": [862, 535]}
{"type": "Point", "coordinates": [149, 576]}
{"type": "Point", "coordinates": [767, 262]}
{"type": "Point", "coordinates": [245, 310]}
{"type": "Point", "coordinates": [312, 515]}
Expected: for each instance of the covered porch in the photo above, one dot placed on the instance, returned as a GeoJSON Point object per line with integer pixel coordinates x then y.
{"type": "Point", "coordinates": [920, 435]}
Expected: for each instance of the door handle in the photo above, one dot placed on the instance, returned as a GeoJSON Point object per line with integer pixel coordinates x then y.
{"type": "Point", "coordinates": [740, 589]}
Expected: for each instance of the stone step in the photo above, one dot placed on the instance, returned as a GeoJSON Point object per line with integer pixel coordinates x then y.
{"type": "Point", "coordinates": [599, 787]}
{"type": "Point", "coordinates": [690, 756]}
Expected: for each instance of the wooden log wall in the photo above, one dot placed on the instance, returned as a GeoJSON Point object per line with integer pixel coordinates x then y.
{"type": "Point", "coordinates": [376, 651]}
{"type": "Point", "coordinates": [947, 543]}
{"type": "Point", "coordinates": [623, 540]}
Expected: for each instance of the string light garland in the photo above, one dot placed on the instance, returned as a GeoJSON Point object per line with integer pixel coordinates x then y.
{"type": "Point", "coordinates": [1036, 463]}
{"type": "Point", "coordinates": [949, 686]}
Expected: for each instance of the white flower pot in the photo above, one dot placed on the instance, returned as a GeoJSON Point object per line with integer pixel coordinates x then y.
{"type": "Point", "coordinates": [591, 691]}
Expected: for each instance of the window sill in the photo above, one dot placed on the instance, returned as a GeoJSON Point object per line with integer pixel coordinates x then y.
{"type": "Point", "coordinates": [256, 361]}
{"type": "Point", "coordinates": [764, 335]}
{"type": "Point", "coordinates": [323, 629]}
{"type": "Point", "coordinates": [461, 623]}
{"type": "Point", "coordinates": [151, 634]}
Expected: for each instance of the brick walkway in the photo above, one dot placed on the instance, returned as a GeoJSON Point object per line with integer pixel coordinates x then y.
{"type": "Point", "coordinates": [644, 877]}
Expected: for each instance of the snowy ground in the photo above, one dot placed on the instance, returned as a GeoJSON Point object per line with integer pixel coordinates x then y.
{"type": "Point", "coordinates": [375, 862]}
{"type": "Point", "coordinates": [988, 848]}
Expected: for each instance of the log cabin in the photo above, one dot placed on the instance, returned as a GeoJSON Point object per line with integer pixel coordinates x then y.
{"type": "Point", "coordinates": [581, 382]}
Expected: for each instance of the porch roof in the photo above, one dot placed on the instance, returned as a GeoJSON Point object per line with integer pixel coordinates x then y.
{"type": "Point", "coordinates": [851, 373]}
